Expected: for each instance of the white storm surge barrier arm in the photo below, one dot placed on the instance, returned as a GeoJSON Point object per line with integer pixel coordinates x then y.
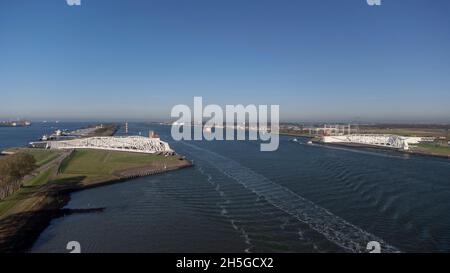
{"type": "Point", "coordinates": [137, 144]}
{"type": "Point", "coordinates": [393, 141]}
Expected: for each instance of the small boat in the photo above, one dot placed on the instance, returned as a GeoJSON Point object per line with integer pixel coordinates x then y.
{"type": "Point", "coordinates": [295, 140]}
{"type": "Point", "coordinates": [310, 142]}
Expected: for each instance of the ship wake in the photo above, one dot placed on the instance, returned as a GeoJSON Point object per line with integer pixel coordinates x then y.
{"type": "Point", "coordinates": [335, 229]}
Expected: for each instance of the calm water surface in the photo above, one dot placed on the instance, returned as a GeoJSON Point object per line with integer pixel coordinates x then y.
{"type": "Point", "coordinates": [301, 198]}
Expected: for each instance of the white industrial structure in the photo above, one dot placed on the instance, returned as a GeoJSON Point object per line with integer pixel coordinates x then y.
{"type": "Point", "coordinates": [337, 129]}
{"type": "Point", "coordinates": [391, 141]}
{"type": "Point", "coordinates": [137, 144]}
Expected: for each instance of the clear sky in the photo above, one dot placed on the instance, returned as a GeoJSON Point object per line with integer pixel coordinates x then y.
{"type": "Point", "coordinates": [317, 59]}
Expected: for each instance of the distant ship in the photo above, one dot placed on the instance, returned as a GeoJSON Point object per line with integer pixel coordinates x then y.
{"type": "Point", "coordinates": [18, 123]}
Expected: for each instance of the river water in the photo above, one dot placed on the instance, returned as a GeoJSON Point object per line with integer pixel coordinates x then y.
{"type": "Point", "coordinates": [301, 198]}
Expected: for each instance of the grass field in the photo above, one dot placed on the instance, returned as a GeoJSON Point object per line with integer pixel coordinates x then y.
{"type": "Point", "coordinates": [28, 189]}
{"type": "Point", "coordinates": [42, 156]}
{"type": "Point", "coordinates": [105, 163]}
{"type": "Point", "coordinates": [29, 210]}
{"type": "Point", "coordinates": [433, 149]}
{"type": "Point", "coordinates": [90, 165]}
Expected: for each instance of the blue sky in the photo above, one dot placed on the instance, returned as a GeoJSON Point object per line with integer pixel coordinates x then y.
{"type": "Point", "coordinates": [318, 59]}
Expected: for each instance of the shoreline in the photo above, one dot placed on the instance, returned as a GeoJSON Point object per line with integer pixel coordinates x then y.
{"type": "Point", "coordinates": [18, 232]}
{"type": "Point", "coordinates": [359, 146]}
{"type": "Point", "coordinates": [296, 135]}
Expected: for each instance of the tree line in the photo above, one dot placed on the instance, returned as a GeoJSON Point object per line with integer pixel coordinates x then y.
{"type": "Point", "coordinates": [12, 169]}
